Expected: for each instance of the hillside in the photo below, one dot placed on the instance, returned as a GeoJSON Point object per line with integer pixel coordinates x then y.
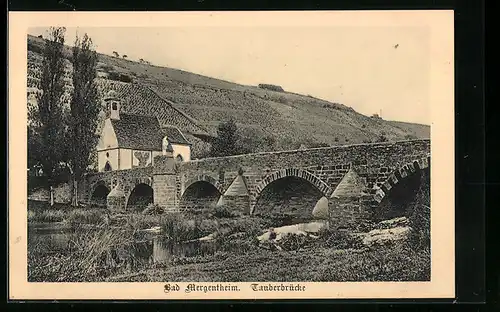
{"type": "Point", "coordinates": [267, 119]}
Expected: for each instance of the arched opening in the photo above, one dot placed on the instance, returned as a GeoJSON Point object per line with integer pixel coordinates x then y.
{"type": "Point", "coordinates": [179, 158]}
{"type": "Point", "coordinates": [140, 198]}
{"type": "Point", "coordinates": [199, 197]}
{"type": "Point", "coordinates": [291, 199]}
{"type": "Point", "coordinates": [99, 196]}
{"type": "Point", "coordinates": [410, 193]}
{"type": "Point", "coordinates": [107, 166]}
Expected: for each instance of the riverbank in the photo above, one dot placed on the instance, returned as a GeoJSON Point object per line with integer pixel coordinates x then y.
{"type": "Point", "coordinates": [314, 265]}
{"type": "Point", "coordinates": [138, 247]}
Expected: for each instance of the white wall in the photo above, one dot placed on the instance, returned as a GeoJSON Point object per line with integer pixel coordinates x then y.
{"type": "Point", "coordinates": [125, 158]}
{"type": "Point", "coordinates": [183, 150]}
{"type": "Point", "coordinates": [113, 159]}
{"type": "Point", "coordinates": [107, 139]}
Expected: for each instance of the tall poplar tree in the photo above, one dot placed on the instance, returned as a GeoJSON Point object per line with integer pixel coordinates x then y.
{"type": "Point", "coordinates": [84, 111]}
{"type": "Point", "coordinates": [47, 126]}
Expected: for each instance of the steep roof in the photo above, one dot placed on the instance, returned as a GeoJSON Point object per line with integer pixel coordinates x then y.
{"type": "Point", "coordinates": [138, 99]}
{"type": "Point", "coordinates": [138, 132]}
{"type": "Point", "coordinates": [174, 135]}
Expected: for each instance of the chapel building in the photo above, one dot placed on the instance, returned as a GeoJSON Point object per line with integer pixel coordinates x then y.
{"type": "Point", "coordinates": [131, 140]}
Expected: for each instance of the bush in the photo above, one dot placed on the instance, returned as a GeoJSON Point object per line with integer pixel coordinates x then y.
{"type": "Point", "coordinates": [339, 239]}
{"type": "Point", "coordinates": [223, 212]}
{"type": "Point", "coordinates": [119, 77]}
{"type": "Point", "coordinates": [382, 138]}
{"type": "Point", "coordinates": [293, 241]}
{"type": "Point", "coordinates": [271, 87]}
{"type": "Point", "coordinates": [153, 209]}
{"type": "Point", "coordinates": [178, 229]}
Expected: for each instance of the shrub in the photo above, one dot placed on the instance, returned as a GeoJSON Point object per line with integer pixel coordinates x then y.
{"type": "Point", "coordinates": [223, 212]}
{"type": "Point", "coordinates": [339, 239]}
{"type": "Point", "coordinates": [271, 87]}
{"type": "Point", "coordinates": [208, 226]}
{"type": "Point", "coordinates": [252, 227]}
{"type": "Point", "coordinates": [410, 137]}
{"type": "Point", "coordinates": [178, 229]}
{"type": "Point", "coordinates": [119, 77]}
{"type": "Point", "coordinates": [153, 209]}
{"type": "Point", "coordinates": [292, 241]}
{"type": "Point", "coordinates": [382, 138]}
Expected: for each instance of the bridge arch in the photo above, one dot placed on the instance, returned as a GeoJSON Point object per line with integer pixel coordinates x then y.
{"type": "Point", "coordinates": [200, 194]}
{"type": "Point", "coordinates": [203, 178]}
{"type": "Point", "coordinates": [141, 195]}
{"type": "Point", "coordinates": [405, 186]}
{"type": "Point", "coordinates": [99, 194]}
{"type": "Point", "coordinates": [291, 189]}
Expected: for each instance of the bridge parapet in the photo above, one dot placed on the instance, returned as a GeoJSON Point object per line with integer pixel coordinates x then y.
{"type": "Point", "coordinates": [241, 179]}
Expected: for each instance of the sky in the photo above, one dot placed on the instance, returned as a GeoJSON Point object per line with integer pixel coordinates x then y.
{"type": "Point", "coordinates": [373, 70]}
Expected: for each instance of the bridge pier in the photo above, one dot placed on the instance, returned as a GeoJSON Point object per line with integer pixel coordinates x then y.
{"type": "Point", "coordinates": [240, 204]}
{"type": "Point", "coordinates": [116, 200]}
{"type": "Point", "coordinates": [165, 183]}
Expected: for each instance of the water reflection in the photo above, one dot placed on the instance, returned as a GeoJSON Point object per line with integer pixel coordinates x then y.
{"type": "Point", "coordinates": [153, 250]}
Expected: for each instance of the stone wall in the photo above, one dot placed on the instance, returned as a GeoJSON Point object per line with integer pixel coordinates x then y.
{"type": "Point", "coordinates": [373, 162]}
{"type": "Point", "coordinates": [316, 173]}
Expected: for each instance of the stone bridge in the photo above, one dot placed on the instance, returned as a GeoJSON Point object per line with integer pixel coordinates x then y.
{"type": "Point", "coordinates": [349, 182]}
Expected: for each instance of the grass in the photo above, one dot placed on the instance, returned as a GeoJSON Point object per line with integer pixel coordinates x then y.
{"type": "Point", "coordinates": [89, 256]}
{"type": "Point", "coordinates": [108, 251]}
{"type": "Point", "coordinates": [322, 264]}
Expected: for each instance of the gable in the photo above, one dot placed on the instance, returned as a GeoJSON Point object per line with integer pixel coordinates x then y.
{"type": "Point", "coordinates": [107, 138]}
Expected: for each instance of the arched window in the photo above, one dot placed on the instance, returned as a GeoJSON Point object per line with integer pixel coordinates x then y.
{"type": "Point", "coordinates": [179, 158]}
{"type": "Point", "coordinates": [107, 167]}
{"type": "Point", "coordinates": [115, 107]}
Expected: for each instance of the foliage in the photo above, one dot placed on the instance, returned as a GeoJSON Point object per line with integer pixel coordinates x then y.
{"type": "Point", "coordinates": [223, 212]}
{"type": "Point", "coordinates": [84, 109]}
{"type": "Point", "coordinates": [86, 216]}
{"type": "Point", "coordinates": [410, 137]}
{"type": "Point", "coordinates": [226, 143]}
{"type": "Point", "coordinates": [112, 75]}
{"type": "Point", "coordinates": [339, 239]}
{"type": "Point", "coordinates": [420, 214]}
{"type": "Point", "coordinates": [46, 216]}
{"type": "Point", "coordinates": [153, 209]}
{"type": "Point", "coordinates": [177, 228]}
{"type": "Point", "coordinates": [46, 127]}
{"type": "Point", "coordinates": [271, 87]}
{"type": "Point", "coordinates": [382, 138]}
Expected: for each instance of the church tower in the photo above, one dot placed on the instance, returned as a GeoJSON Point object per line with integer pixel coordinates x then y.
{"type": "Point", "coordinates": [112, 103]}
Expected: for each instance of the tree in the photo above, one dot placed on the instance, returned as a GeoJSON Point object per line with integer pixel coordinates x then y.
{"type": "Point", "coordinates": [226, 142]}
{"type": "Point", "coordinates": [84, 111]}
{"type": "Point", "coordinates": [116, 54]}
{"type": "Point", "coordinates": [46, 127]}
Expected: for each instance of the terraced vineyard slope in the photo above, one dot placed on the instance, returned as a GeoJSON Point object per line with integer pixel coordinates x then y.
{"type": "Point", "coordinates": [268, 118]}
